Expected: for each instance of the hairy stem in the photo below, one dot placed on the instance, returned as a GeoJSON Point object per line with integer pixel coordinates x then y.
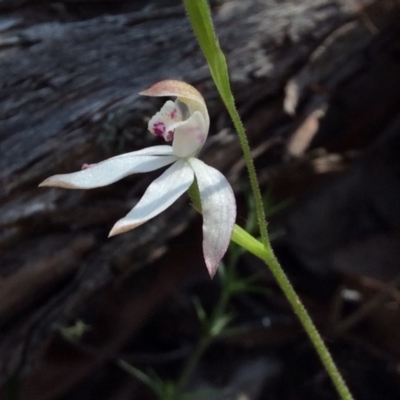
{"type": "Point", "coordinates": [200, 17]}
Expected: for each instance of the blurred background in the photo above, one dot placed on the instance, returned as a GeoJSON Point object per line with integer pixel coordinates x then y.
{"type": "Point", "coordinates": [317, 83]}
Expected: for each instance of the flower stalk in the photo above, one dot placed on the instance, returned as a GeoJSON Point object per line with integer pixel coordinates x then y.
{"type": "Point", "coordinates": [200, 17]}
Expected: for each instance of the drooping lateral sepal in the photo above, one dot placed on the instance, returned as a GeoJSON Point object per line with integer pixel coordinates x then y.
{"type": "Point", "coordinates": [219, 212]}
{"type": "Point", "coordinates": [161, 193]}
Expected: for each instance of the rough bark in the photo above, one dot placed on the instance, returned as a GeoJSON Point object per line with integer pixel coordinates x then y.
{"type": "Point", "coordinates": [68, 96]}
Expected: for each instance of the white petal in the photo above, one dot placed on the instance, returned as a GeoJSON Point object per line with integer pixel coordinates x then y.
{"type": "Point", "coordinates": [161, 150]}
{"type": "Point", "coordinates": [190, 136]}
{"type": "Point", "coordinates": [219, 212]}
{"type": "Point", "coordinates": [200, 107]}
{"type": "Point", "coordinates": [113, 169]}
{"type": "Point", "coordinates": [163, 123]}
{"type": "Point", "coordinates": [161, 193]}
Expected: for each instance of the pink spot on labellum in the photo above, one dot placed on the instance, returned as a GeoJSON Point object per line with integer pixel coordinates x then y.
{"type": "Point", "coordinates": [170, 136]}
{"type": "Point", "coordinates": [159, 128]}
{"type": "Point", "coordinates": [173, 113]}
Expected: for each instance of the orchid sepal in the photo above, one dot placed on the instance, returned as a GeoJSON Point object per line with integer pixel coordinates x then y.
{"type": "Point", "coordinates": [161, 193]}
{"type": "Point", "coordinates": [218, 207]}
{"type": "Point", "coordinates": [115, 168]}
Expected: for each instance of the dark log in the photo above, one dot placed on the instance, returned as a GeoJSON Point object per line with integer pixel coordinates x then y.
{"type": "Point", "coordinates": [70, 73]}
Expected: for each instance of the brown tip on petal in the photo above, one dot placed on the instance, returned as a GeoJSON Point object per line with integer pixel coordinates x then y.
{"type": "Point", "coordinates": [118, 229]}
{"type": "Point", "coordinates": [52, 182]}
{"type": "Point", "coordinates": [173, 88]}
{"type": "Point", "coordinates": [48, 182]}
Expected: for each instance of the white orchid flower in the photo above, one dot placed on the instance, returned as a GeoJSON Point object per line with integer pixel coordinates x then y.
{"type": "Point", "coordinates": [185, 122]}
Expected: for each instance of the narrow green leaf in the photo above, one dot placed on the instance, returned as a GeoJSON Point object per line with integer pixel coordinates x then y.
{"type": "Point", "coordinates": [200, 16]}
{"type": "Point", "coordinates": [141, 376]}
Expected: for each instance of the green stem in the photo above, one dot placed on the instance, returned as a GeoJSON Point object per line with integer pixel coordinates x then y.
{"type": "Point", "coordinates": [308, 324]}
{"type": "Point", "coordinates": [200, 17]}
{"type": "Point", "coordinates": [248, 242]}
{"type": "Point", "coordinates": [244, 239]}
{"type": "Point", "coordinates": [268, 256]}
{"type": "Point", "coordinates": [244, 143]}
{"type": "Point", "coordinates": [272, 262]}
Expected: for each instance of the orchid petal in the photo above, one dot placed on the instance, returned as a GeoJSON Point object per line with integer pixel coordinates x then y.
{"type": "Point", "coordinates": [190, 136]}
{"type": "Point", "coordinates": [184, 92]}
{"type": "Point", "coordinates": [161, 150]}
{"type": "Point", "coordinates": [161, 193]}
{"type": "Point", "coordinates": [219, 212]}
{"type": "Point", "coordinates": [164, 122]}
{"type": "Point", "coordinates": [113, 169]}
